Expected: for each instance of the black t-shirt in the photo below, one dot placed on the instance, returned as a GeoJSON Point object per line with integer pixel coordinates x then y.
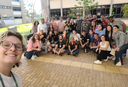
{"type": "Point", "coordinates": [60, 44]}
{"type": "Point", "coordinates": [73, 27]}
{"type": "Point", "coordinates": [56, 37]}
{"type": "Point", "coordinates": [72, 46]}
{"type": "Point", "coordinates": [51, 39]}
{"type": "Point", "coordinates": [85, 39]}
{"type": "Point", "coordinates": [98, 22]}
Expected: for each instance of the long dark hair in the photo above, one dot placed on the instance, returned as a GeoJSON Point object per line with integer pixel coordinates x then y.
{"type": "Point", "coordinates": [33, 38]}
{"type": "Point", "coordinates": [92, 26]}
{"type": "Point", "coordinates": [101, 26]}
{"type": "Point", "coordinates": [35, 23]}
{"type": "Point", "coordinates": [107, 35]}
{"type": "Point", "coordinates": [49, 27]}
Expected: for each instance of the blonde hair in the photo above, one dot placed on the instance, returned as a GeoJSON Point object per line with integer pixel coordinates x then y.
{"type": "Point", "coordinates": [16, 34]}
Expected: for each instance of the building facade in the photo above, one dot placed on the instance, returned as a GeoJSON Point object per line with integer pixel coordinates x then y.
{"type": "Point", "coordinates": [103, 7]}
{"type": "Point", "coordinates": [12, 12]}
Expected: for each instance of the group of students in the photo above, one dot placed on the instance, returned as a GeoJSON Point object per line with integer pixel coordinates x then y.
{"type": "Point", "coordinates": [100, 40]}
{"type": "Point", "coordinates": [96, 35]}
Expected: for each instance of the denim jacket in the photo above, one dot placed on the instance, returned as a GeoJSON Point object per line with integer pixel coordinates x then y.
{"type": "Point", "coordinates": [120, 38]}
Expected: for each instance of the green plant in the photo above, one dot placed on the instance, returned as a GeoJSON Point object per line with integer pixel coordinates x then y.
{"type": "Point", "coordinates": [55, 17]}
{"type": "Point", "coordinates": [111, 9]}
{"type": "Point", "coordinates": [125, 10]}
{"type": "Point", "coordinates": [84, 6]}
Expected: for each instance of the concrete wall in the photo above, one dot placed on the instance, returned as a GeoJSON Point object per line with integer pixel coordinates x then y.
{"type": "Point", "coordinates": [55, 4]}
{"type": "Point", "coordinates": [6, 2]}
{"type": "Point", "coordinates": [8, 12]}
{"type": "Point", "coordinates": [18, 21]}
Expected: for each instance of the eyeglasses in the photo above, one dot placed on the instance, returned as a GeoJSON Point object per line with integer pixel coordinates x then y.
{"type": "Point", "coordinates": [8, 45]}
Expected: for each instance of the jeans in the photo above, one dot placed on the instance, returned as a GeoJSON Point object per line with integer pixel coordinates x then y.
{"type": "Point", "coordinates": [75, 52]}
{"type": "Point", "coordinates": [119, 54]}
{"type": "Point", "coordinates": [34, 52]}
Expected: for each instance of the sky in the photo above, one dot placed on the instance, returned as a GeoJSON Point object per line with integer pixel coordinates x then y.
{"type": "Point", "coordinates": [37, 5]}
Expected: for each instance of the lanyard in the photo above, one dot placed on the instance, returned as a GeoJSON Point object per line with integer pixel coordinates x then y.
{"type": "Point", "coordinates": [13, 78]}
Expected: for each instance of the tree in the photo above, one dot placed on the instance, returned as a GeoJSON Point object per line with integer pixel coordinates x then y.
{"type": "Point", "coordinates": [84, 6]}
{"type": "Point", "coordinates": [125, 10]}
{"type": "Point", "coordinates": [112, 10]}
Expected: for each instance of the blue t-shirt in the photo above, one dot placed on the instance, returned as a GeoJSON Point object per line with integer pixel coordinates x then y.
{"type": "Point", "coordinates": [100, 33]}
{"type": "Point", "coordinates": [91, 37]}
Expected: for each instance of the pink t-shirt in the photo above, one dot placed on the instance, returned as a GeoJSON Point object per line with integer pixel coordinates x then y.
{"type": "Point", "coordinates": [60, 26]}
{"type": "Point", "coordinates": [54, 25]}
{"type": "Point", "coordinates": [31, 44]}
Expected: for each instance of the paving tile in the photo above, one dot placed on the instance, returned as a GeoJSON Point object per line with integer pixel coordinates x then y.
{"type": "Point", "coordinates": [123, 70]}
{"type": "Point", "coordinates": [112, 69]}
{"type": "Point", "coordinates": [57, 61]}
{"type": "Point", "coordinates": [87, 65]}
{"type": "Point", "coordinates": [48, 60]}
{"type": "Point", "coordinates": [99, 67]}
{"type": "Point", "coordinates": [39, 58]}
{"type": "Point", "coordinates": [76, 64]}
{"type": "Point", "coordinates": [66, 62]}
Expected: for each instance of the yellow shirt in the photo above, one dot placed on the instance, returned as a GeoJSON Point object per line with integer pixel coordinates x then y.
{"type": "Point", "coordinates": [41, 36]}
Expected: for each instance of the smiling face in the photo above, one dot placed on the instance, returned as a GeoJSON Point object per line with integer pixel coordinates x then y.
{"type": "Point", "coordinates": [115, 29]}
{"type": "Point", "coordinates": [36, 37]}
{"type": "Point", "coordinates": [99, 27]}
{"type": "Point", "coordinates": [96, 36]}
{"type": "Point", "coordinates": [108, 28]}
{"type": "Point", "coordinates": [11, 55]}
{"type": "Point", "coordinates": [103, 38]}
{"type": "Point", "coordinates": [72, 40]}
{"type": "Point", "coordinates": [93, 23]}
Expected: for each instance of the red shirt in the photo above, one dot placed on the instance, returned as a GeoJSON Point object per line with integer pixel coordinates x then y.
{"type": "Point", "coordinates": [104, 23]}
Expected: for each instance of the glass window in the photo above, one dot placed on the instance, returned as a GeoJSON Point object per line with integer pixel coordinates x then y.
{"type": "Point", "coordinates": [0, 6]}
{"type": "Point", "coordinates": [11, 18]}
{"type": "Point", "coordinates": [18, 17]}
{"type": "Point", "coordinates": [16, 9]}
{"type": "Point", "coordinates": [15, 0]}
{"type": "Point", "coordinates": [4, 7]}
{"type": "Point", "coordinates": [5, 18]}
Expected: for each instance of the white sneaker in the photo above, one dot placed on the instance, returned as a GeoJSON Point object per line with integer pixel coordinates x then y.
{"type": "Point", "coordinates": [85, 50]}
{"type": "Point", "coordinates": [33, 57]}
{"type": "Point", "coordinates": [113, 58]}
{"type": "Point", "coordinates": [118, 64]}
{"type": "Point", "coordinates": [106, 59]}
{"type": "Point", "coordinates": [97, 62]}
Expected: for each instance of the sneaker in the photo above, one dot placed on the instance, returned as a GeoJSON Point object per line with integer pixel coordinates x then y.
{"type": "Point", "coordinates": [60, 54]}
{"type": "Point", "coordinates": [113, 58]}
{"type": "Point", "coordinates": [85, 50]}
{"type": "Point", "coordinates": [118, 64]}
{"type": "Point", "coordinates": [52, 52]}
{"type": "Point", "coordinates": [97, 62]}
{"type": "Point", "coordinates": [68, 53]}
{"type": "Point", "coordinates": [106, 59]}
{"type": "Point", "coordinates": [74, 54]}
{"type": "Point", "coordinates": [33, 57]}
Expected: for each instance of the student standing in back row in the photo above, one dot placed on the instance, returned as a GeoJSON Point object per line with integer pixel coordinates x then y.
{"type": "Point", "coordinates": [85, 26]}
{"type": "Point", "coordinates": [42, 26]}
{"type": "Point", "coordinates": [121, 24]}
{"type": "Point", "coordinates": [78, 22]}
{"type": "Point", "coordinates": [61, 26]}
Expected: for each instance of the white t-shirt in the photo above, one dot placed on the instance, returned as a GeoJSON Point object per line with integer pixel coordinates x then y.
{"type": "Point", "coordinates": [42, 27]}
{"type": "Point", "coordinates": [9, 81]}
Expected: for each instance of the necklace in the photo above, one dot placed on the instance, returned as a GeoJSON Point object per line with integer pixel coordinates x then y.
{"type": "Point", "coordinates": [13, 78]}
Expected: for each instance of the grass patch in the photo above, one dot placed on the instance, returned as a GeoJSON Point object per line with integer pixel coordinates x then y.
{"type": "Point", "coordinates": [24, 29]}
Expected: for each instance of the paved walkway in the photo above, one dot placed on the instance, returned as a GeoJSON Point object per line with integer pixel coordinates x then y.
{"type": "Point", "coordinates": [50, 70]}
